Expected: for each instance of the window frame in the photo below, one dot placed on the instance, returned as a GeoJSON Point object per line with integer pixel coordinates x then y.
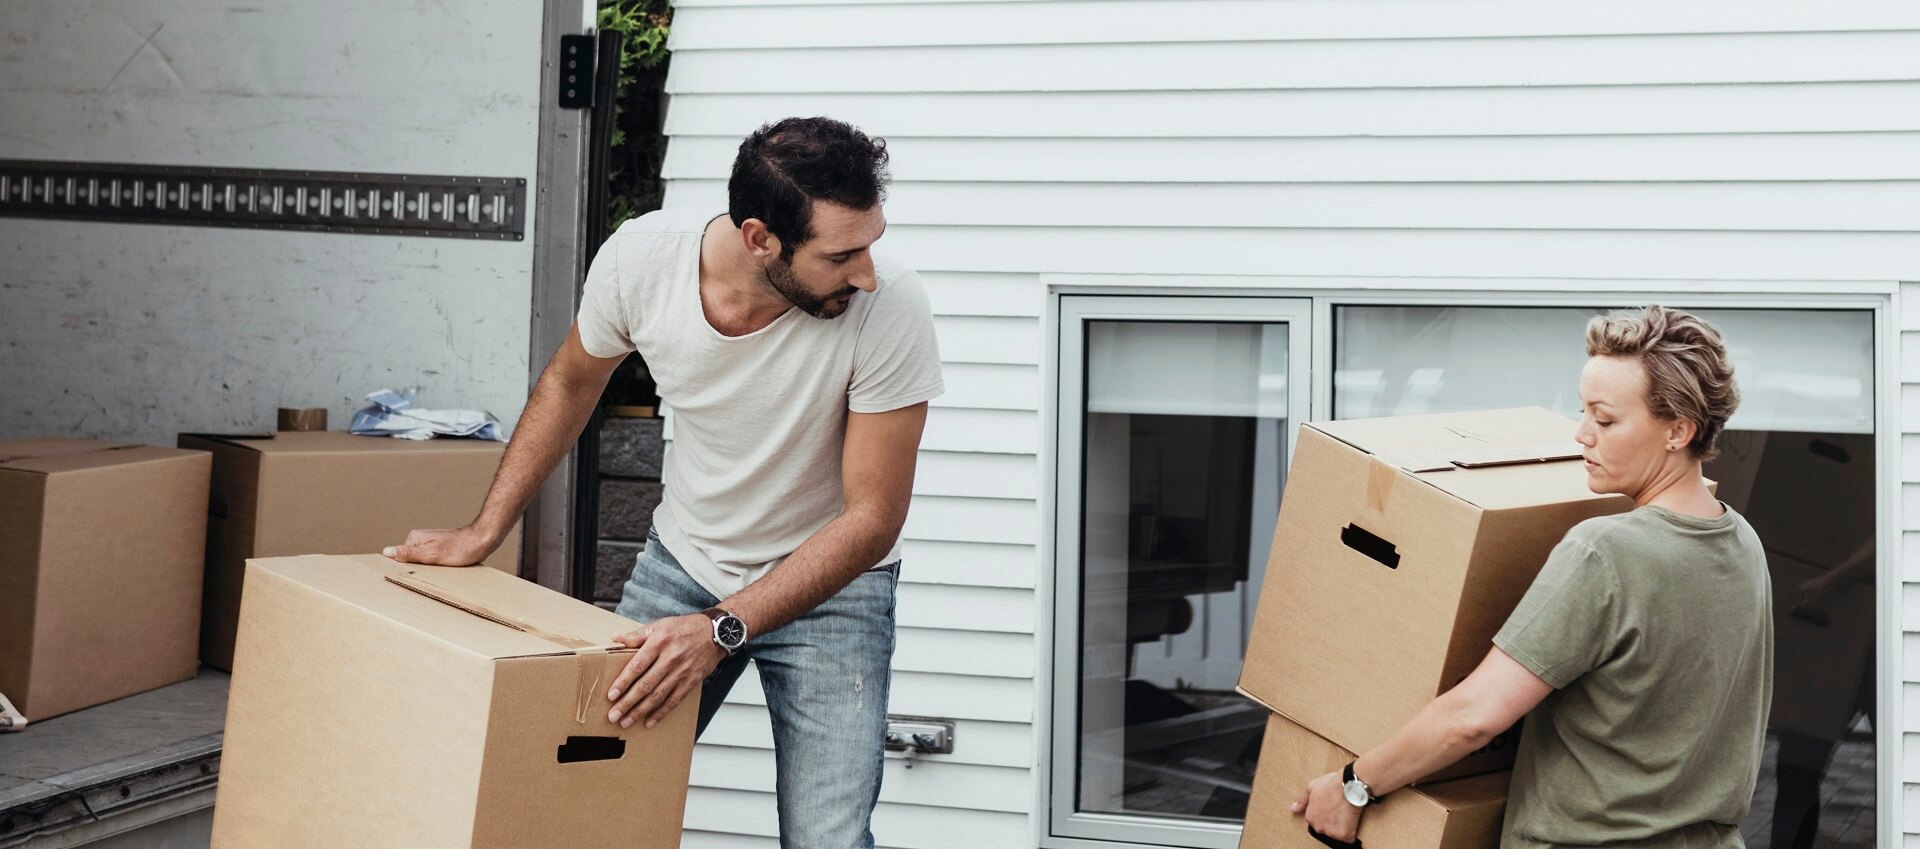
{"type": "Point", "coordinates": [1063, 702]}
{"type": "Point", "coordinates": [1056, 824]}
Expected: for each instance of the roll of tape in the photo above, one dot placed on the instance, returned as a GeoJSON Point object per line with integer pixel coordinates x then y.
{"type": "Point", "coordinates": [303, 418]}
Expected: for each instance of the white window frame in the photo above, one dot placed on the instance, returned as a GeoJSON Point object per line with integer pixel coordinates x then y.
{"type": "Point", "coordinates": [1055, 771]}
{"type": "Point", "coordinates": [1297, 314]}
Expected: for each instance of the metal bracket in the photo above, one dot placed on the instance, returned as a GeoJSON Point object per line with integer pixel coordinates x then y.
{"type": "Point", "coordinates": [323, 201]}
{"type": "Point", "coordinates": [576, 71]}
{"type": "Point", "coordinates": [917, 735]}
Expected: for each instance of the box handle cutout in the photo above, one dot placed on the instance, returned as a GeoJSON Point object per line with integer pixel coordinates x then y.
{"type": "Point", "coordinates": [1366, 542]}
{"type": "Point", "coordinates": [1330, 842]}
{"type": "Point", "coordinates": [583, 749]}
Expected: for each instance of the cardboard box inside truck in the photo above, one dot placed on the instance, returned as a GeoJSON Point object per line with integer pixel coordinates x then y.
{"type": "Point", "coordinates": [329, 492]}
{"type": "Point", "coordinates": [1402, 546]}
{"type": "Point", "coordinates": [100, 557]}
{"type": "Point", "coordinates": [1462, 814]}
{"type": "Point", "coordinates": [381, 705]}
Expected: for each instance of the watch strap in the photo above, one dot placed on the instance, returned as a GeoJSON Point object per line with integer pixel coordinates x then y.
{"type": "Point", "coordinates": [714, 615]}
{"type": "Point", "coordinates": [1347, 777]}
{"type": "Point", "coordinates": [1331, 843]}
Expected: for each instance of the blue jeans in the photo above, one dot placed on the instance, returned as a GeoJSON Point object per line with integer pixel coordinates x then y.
{"type": "Point", "coordinates": [825, 676]}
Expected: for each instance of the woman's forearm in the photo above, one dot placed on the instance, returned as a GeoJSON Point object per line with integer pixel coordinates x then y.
{"type": "Point", "coordinates": [1447, 729]}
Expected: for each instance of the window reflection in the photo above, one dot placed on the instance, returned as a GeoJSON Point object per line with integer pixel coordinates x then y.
{"type": "Point", "coordinates": [1184, 448]}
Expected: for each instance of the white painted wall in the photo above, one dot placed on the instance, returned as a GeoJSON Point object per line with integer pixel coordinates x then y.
{"type": "Point", "coordinates": [134, 331]}
{"type": "Point", "coordinates": [1736, 145]}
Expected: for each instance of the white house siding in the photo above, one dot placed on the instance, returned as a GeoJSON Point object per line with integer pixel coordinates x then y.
{"type": "Point", "coordinates": [1722, 141]}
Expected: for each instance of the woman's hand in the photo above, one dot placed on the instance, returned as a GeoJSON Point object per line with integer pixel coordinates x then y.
{"type": "Point", "coordinates": [1327, 810]}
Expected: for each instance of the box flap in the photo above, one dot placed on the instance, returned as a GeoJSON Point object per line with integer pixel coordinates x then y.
{"type": "Point", "coordinates": [1461, 440]}
{"type": "Point", "coordinates": [339, 441]}
{"type": "Point", "coordinates": [27, 449]}
{"type": "Point", "coordinates": [230, 437]}
{"type": "Point", "coordinates": [75, 455]}
{"type": "Point", "coordinates": [412, 580]}
{"type": "Point", "coordinates": [482, 610]}
{"type": "Point", "coordinates": [1493, 459]}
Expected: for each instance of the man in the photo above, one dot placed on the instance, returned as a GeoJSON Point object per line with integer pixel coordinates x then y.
{"type": "Point", "coordinates": [799, 369]}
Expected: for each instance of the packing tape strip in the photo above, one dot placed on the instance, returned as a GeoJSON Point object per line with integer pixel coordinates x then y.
{"type": "Point", "coordinates": [593, 663]}
{"type": "Point", "coordinates": [1380, 478]}
{"type": "Point", "coordinates": [448, 597]}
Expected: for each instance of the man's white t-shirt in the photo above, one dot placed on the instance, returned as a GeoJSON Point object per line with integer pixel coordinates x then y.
{"type": "Point", "coordinates": [758, 420]}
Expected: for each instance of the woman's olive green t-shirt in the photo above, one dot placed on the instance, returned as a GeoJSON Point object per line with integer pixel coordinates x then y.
{"type": "Point", "coordinates": [1655, 630]}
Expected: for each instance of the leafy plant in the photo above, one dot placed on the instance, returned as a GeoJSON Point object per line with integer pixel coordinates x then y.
{"type": "Point", "coordinates": [639, 147]}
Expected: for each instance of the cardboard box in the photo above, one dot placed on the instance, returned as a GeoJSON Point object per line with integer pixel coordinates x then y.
{"type": "Point", "coordinates": [330, 492]}
{"type": "Point", "coordinates": [1820, 651]}
{"type": "Point", "coordinates": [1402, 546]}
{"type": "Point", "coordinates": [415, 707]}
{"type": "Point", "coordinates": [1462, 814]}
{"type": "Point", "coordinates": [100, 552]}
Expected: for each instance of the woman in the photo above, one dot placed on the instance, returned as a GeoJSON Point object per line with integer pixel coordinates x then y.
{"type": "Point", "coordinates": [1642, 656]}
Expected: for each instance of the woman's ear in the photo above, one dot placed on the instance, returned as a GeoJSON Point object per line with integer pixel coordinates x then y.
{"type": "Point", "coordinates": [1680, 434]}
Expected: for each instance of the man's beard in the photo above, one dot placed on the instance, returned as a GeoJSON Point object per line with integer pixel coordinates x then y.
{"type": "Point", "coordinates": [779, 274]}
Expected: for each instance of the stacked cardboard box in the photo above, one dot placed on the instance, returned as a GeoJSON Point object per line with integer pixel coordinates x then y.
{"type": "Point", "coordinates": [100, 556]}
{"type": "Point", "coordinates": [1402, 546]}
{"type": "Point", "coordinates": [329, 492]}
{"type": "Point", "coordinates": [381, 705]}
{"type": "Point", "coordinates": [1463, 813]}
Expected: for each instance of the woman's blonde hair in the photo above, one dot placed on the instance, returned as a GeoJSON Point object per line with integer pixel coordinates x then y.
{"type": "Point", "coordinates": [1688, 373]}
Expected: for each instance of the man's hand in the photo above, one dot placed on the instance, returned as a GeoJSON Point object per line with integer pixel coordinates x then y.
{"type": "Point", "coordinates": [1327, 809]}
{"type": "Point", "coordinates": [675, 657]}
{"type": "Point", "coordinates": [444, 547]}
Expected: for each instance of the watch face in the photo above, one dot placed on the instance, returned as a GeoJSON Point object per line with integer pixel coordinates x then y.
{"type": "Point", "coordinates": [1356, 793]}
{"type": "Point", "coordinates": [730, 631]}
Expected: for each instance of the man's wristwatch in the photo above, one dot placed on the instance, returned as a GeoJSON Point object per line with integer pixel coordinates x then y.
{"type": "Point", "coordinates": [1357, 792]}
{"type": "Point", "coordinates": [729, 632]}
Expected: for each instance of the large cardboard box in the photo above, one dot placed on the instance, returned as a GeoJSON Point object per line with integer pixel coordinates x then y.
{"type": "Point", "coordinates": [100, 552]}
{"type": "Point", "coordinates": [329, 492]}
{"type": "Point", "coordinates": [419, 707]}
{"type": "Point", "coordinates": [1460, 814]}
{"type": "Point", "coordinates": [1402, 546]}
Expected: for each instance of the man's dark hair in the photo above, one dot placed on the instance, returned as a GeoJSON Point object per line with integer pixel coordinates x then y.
{"type": "Point", "coordinates": [783, 167]}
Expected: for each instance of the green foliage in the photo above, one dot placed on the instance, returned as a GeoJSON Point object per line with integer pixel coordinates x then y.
{"type": "Point", "coordinates": [639, 148]}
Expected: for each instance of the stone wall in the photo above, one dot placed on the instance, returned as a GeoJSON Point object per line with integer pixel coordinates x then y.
{"type": "Point", "coordinates": [630, 455]}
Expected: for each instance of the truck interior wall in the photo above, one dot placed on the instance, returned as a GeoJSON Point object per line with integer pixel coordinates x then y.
{"type": "Point", "coordinates": [139, 331]}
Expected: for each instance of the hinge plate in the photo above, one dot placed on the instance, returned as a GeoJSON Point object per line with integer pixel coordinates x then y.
{"type": "Point", "coordinates": [576, 71]}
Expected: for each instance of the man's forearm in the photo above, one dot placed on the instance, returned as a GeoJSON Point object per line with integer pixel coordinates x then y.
{"type": "Point", "coordinates": [836, 554]}
{"type": "Point", "coordinates": [554, 416]}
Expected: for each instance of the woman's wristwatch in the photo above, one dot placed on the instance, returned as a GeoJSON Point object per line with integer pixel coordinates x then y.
{"type": "Point", "coordinates": [1357, 792]}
